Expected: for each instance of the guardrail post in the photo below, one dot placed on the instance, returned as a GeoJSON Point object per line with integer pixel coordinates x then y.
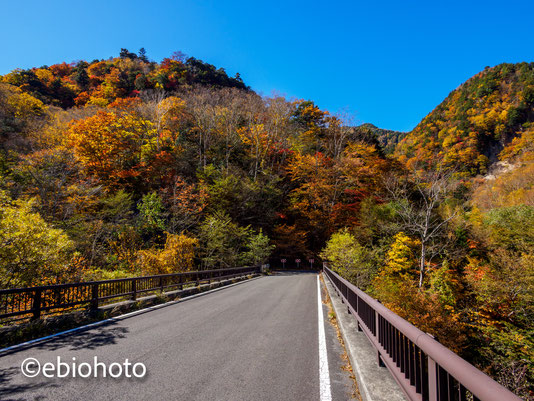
{"type": "Point", "coordinates": [94, 297]}
{"type": "Point", "coordinates": [134, 289]}
{"type": "Point", "coordinates": [161, 284]}
{"type": "Point", "coordinates": [432, 380]}
{"type": "Point", "coordinates": [376, 320]}
{"type": "Point", "coordinates": [375, 332]}
{"type": "Point", "coordinates": [379, 360]}
{"type": "Point", "coordinates": [198, 278]}
{"type": "Point", "coordinates": [36, 305]}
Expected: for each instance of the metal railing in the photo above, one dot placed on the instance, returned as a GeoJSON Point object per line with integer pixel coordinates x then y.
{"type": "Point", "coordinates": [423, 368]}
{"type": "Point", "coordinates": [33, 301]}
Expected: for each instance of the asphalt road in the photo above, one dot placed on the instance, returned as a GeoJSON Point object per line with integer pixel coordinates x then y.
{"type": "Point", "coordinates": [257, 340]}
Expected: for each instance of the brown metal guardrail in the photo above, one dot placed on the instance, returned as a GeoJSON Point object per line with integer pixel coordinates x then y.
{"type": "Point", "coordinates": [423, 368]}
{"type": "Point", "coordinates": [33, 301]}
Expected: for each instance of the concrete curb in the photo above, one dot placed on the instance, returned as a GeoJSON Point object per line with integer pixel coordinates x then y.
{"type": "Point", "coordinates": [374, 382]}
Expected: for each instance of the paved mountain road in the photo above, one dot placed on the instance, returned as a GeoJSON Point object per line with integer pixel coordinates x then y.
{"type": "Point", "coordinates": [257, 340]}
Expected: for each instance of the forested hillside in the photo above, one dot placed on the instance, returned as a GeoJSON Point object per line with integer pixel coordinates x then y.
{"type": "Point", "coordinates": [141, 167]}
{"type": "Point", "coordinates": [125, 167]}
{"type": "Point", "coordinates": [476, 121]}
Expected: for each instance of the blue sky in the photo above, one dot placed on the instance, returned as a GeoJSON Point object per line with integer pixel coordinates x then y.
{"type": "Point", "coordinates": [389, 62]}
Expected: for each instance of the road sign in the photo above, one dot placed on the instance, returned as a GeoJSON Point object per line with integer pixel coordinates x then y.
{"type": "Point", "coordinates": [297, 260]}
{"type": "Point", "coordinates": [283, 261]}
{"type": "Point", "coordinates": [311, 260]}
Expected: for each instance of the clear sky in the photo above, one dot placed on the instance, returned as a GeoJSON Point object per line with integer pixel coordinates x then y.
{"type": "Point", "coordinates": [389, 62]}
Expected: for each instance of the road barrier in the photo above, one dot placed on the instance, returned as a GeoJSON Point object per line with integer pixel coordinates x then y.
{"type": "Point", "coordinates": [423, 368]}
{"type": "Point", "coordinates": [33, 301]}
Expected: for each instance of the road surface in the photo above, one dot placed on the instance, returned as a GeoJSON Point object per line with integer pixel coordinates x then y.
{"type": "Point", "coordinates": [257, 340]}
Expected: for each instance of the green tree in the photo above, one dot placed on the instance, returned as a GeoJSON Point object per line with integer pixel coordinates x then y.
{"type": "Point", "coordinates": [142, 55]}
{"type": "Point", "coordinates": [259, 249]}
{"type": "Point", "coordinates": [223, 241]}
{"type": "Point", "coordinates": [31, 251]}
{"type": "Point", "coordinates": [151, 214]}
{"type": "Point", "coordinates": [511, 227]}
{"type": "Point", "coordinates": [346, 256]}
{"type": "Point", "coordinates": [80, 76]}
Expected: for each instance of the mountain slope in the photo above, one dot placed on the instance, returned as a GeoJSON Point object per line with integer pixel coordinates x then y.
{"type": "Point", "coordinates": [476, 121]}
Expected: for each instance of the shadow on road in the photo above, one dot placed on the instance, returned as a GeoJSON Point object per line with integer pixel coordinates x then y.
{"type": "Point", "coordinates": [92, 339]}
{"type": "Point", "coordinates": [11, 391]}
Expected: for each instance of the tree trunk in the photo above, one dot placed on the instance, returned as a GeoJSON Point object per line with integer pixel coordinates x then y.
{"type": "Point", "coordinates": [422, 264]}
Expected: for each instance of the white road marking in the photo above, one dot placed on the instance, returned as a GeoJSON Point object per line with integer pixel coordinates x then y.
{"type": "Point", "coordinates": [324, 373]}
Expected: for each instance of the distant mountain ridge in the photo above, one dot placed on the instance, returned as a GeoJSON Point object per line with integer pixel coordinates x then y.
{"type": "Point", "coordinates": [388, 139]}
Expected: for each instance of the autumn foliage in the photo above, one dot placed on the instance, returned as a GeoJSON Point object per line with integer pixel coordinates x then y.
{"type": "Point", "coordinates": [125, 166]}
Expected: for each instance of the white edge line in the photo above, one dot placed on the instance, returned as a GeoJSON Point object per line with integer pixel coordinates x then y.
{"type": "Point", "coordinates": [113, 319]}
{"type": "Point", "coordinates": [324, 373]}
